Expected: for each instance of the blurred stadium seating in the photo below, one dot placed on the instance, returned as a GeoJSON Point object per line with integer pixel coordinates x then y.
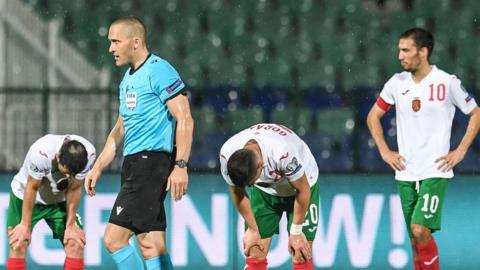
{"type": "Point", "coordinates": [313, 65]}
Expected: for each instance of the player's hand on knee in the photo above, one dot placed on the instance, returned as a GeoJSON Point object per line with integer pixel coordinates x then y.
{"type": "Point", "coordinates": [19, 236]}
{"type": "Point", "coordinates": [394, 159]}
{"type": "Point", "coordinates": [178, 183]}
{"type": "Point", "coordinates": [91, 180]}
{"type": "Point", "coordinates": [299, 248]}
{"type": "Point", "coordinates": [252, 241]}
{"type": "Point", "coordinates": [74, 233]}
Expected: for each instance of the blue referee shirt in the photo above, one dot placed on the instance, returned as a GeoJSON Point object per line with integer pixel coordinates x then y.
{"type": "Point", "coordinates": [148, 124]}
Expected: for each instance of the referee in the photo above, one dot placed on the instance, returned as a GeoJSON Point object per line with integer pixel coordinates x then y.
{"type": "Point", "coordinates": [154, 113]}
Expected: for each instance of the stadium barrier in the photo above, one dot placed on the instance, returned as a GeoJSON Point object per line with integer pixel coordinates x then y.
{"type": "Point", "coordinates": [360, 226]}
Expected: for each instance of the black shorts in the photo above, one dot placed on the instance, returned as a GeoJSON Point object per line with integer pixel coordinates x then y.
{"type": "Point", "coordinates": [139, 205]}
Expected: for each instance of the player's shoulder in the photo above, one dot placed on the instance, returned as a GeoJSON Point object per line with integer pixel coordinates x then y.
{"type": "Point", "coordinates": [45, 141]}
{"type": "Point", "coordinates": [231, 143]}
{"type": "Point", "coordinates": [400, 77]}
{"type": "Point", "coordinates": [440, 73]}
{"type": "Point", "coordinates": [42, 151]}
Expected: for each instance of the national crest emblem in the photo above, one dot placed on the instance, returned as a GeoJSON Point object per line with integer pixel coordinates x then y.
{"type": "Point", "coordinates": [416, 104]}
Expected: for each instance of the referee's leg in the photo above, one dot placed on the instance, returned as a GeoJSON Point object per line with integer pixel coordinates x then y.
{"type": "Point", "coordinates": [154, 250]}
{"type": "Point", "coordinates": [116, 241]}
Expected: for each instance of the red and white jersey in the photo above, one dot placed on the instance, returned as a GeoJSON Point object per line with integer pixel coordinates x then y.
{"type": "Point", "coordinates": [286, 158]}
{"type": "Point", "coordinates": [38, 164]}
{"type": "Point", "coordinates": [424, 115]}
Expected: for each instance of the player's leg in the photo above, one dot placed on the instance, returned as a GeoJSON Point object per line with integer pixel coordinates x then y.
{"type": "Point", "coordinates": [268, 210]}
{"type": "Point", "coordinates": [426, 219]}
{"type": "Point", "coordinates": [257, 258]}
{"type": "Point", "coordinates": [56, 219]}
{"type": "Point", "coordinates": [309, 226]}
{"type": "Point", "coordinates": [16, 258]}
{"type": "Point", "coordinates": [409, 196]}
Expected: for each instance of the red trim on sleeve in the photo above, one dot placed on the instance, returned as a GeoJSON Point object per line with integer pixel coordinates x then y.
{"type": "Point", "coordinates": [383, 105]}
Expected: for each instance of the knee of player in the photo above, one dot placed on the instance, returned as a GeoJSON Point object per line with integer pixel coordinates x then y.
{"type": "Point", "coordinates": [419, 232]}
{"type": "Point", "coordinates": [257, 254]}
{"type": "Point", "coordinates": [73, 249]}
{"type": "Point", "coordinates": [19, 253]}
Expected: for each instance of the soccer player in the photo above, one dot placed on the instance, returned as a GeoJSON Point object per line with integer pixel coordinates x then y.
{"type": "Point", "coordinates": [282, 174]}
{"type": "Point", "coordinates": [425, 98]}
{"type": "Point", "coordinates": [154, 113]}
{"type": "Point", "coordinates": [49, 186]}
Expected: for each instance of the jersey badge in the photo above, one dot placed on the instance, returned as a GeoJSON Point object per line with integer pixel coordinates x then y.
{"type": "Point", "coordinates": [293, 167]}
{"type": "Point", "coordinates": [416, 104]}
{"type": "Point", "coordinates": [131, 100]}
{"type": "Point", "coordinates": [174, 86]}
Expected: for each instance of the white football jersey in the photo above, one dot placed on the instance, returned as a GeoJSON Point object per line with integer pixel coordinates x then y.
{"type": "Point", "coordinates": [424, 115]}
{"type": "Point", "coordinates": [38, 164]}
{"type": "Point", "coordinates": [286, 158]}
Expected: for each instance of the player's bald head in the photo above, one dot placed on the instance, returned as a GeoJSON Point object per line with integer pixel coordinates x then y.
{"type": "Point", "coordinates": [132, 27]}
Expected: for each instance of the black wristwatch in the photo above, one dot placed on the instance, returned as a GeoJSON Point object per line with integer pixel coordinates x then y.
{"type": "Point", "coordinates": [181, 163]}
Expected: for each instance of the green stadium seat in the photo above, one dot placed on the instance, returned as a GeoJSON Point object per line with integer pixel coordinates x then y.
{"type": "Point", "coordinates": [336, 122]}
{"type": "Point", "coordinates": [205, 120]}
{"type": "Point", "coordinates": [297, 119]}
{"type": "Point", "coordinates": [316, 73]}
{"type": "Point", "coordinates": [239, 119]}
{"type": "Point", "coordinates": [167, 46]}
{"type": "Point", "coordinates": [276, 71]}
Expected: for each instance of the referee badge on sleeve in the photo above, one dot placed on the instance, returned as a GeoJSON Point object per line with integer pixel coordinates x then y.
{"type": "Point", "coordinates": [416, 104]}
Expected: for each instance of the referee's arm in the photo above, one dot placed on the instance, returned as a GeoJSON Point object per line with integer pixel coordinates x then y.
{"type": "Point", "coordinates": [113, 143]}
{"type": "Point", "coordinates": [179, 107]}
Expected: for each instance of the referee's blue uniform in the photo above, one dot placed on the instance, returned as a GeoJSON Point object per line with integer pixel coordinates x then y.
{"type": "Point", "coordinates": [149, 131]}
{"type": "Point", "coordinates": [148, 124]}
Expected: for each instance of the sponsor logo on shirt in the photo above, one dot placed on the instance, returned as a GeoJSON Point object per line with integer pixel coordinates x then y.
{"type": "Point", "coordinates": [468, 98]}
{"type": "Point", "coordinates": [43, 153]}
{"type": "Point", "coordinates": [284, 156]}
{"type": "Point", "coordinates": [174, 86]}
{"type": "Point", "coordinates": [406, 91]}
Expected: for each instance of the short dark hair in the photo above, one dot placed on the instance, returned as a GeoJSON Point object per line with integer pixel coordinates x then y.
{"type": "Point", "coordinates": [73, 155]}
{"type": "Point", "coordinates": [135, 24]}
{"type": "Point", "coordinates": [422, 38]}
{"type": "Point", "coordinates": [242, 167]}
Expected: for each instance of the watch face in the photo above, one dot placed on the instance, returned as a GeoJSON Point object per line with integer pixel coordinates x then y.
{"type": "Point", "coordinates": [181, 163]}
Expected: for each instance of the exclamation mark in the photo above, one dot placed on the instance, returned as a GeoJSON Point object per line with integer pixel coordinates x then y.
{"type": "Point", "coordinates": [398, 257]}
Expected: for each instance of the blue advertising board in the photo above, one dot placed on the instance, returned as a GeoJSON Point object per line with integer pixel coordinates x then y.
{"type": "Point", "coordinates": [360, 227]}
